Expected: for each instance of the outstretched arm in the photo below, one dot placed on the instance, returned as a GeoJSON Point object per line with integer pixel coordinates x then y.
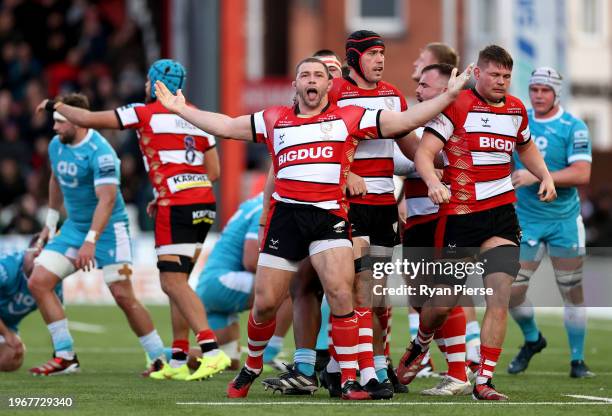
{"type": "Point", "coordinates": [217, 124]}
{"type": "Point", "coordinates": [394, 123]}
{"type": "Point", "coordinates": [82, 117]}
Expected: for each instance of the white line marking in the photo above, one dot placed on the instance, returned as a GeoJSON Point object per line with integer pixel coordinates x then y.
{"type": "Point", "coordinates": [361, 403]}
{"type": "Point", "coordinates": [85, 327]}
{"type": "Point", "coordinates": [599, 399]}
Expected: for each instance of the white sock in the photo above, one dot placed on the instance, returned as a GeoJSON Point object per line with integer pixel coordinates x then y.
{"type": "Point", "coordinates": [61, 338]}
{"type": "Point", "coordinates": [333, 366]}
{"type": "Point", "coordinates": [366, 375]}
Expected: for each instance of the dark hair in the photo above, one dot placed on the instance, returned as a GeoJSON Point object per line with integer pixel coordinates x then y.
{"type": "Point", "coordinates": [76, 100]}
{"type": "Point", "coordinates": [326, 52]}
{"type": "Point", "coordinates": [495, 54]}
{"type": "Point", "coordinates": [443, 69]}
{"type": "Point", "coordinates": [444, 53]}
{"type": "Point", "coordinates": [314, 60]}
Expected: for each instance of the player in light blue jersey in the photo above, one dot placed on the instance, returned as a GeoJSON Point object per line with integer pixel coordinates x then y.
{"type": "Point", "coordinates": [564, 143]}
{"type": "Point", "coordinates": [226, 282]}
{"type": "Point", "coordinates": [85, 178]}
{"type": "Point", "coordinates": [16, 302]}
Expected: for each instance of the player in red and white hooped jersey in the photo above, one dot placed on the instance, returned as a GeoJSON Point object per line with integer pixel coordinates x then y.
{"type": "Point", "coordinates": [182, 162]}
{"type": "Point", "coordinates": [312, 145]}
{"type": "Point", "coordinates": [478, 134]}
{"type": "Point", "coordinates": [373, 211]}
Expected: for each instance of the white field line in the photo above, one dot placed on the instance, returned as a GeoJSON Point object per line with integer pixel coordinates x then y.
{"type": "Point", "coordinates": [85, 327]}
{"type": "Point", "coordinates": [595, 398]}
{"type": "Point", "coordinates": [362, 403]}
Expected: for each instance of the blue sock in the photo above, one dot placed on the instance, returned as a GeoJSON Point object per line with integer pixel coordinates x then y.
{"type": "Point", "coordinates": [152, 344]}
{"type": "Point", "coordinates": [575, 319]}
{"type": "Point", "coordinates": [524, 317]}
{"type": "Point", "coordinates": [413, 320]}
{"type": "Point", "coordinates": [61, 338]}
{"type": "Point", "coordinates": [304, 359]}
{"type": "Point", "coordinates": [323, 337]}
{"type": "Point", "coordinates": [168, 353]}
{"type": "Point", "coordinates": [275, 345]}
{"type": "Point", "coordinates": [380, 364]}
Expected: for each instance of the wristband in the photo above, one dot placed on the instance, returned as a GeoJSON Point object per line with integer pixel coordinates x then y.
{"type": "Point", "coordinates": [91, 236]}
{"type": "Point", "coordinates": [51, 221]}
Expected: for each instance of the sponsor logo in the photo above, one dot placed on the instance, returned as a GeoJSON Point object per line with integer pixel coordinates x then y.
{"type": "Point", "coordinates": [485, 122]}
{"type": "Point", "coordinates": [390, 103]}
{"type": "Point", "coordinates": [339, 228]}
{"type": "Point", "coordinates": [186, 181]}
{"type": "Point", "coordinates": [281, 139]}
{"type": "Point", "coordinates": [497, 143]}
{"type": "Point", "coordinates": [203, 215]}
{"type": "Point", "coordinates": [326, 129]}
{"type": "Point", "coordinates": [273, 244]}
{"type": "Point", "coordinates": [326, 152]}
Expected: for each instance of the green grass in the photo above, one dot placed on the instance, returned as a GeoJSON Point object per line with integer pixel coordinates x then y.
{"type": "Point", "coordinates": [111, 362]}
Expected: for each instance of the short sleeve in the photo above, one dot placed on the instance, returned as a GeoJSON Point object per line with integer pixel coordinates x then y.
{"type": "Point", "coordinates": [442, 125]}
{"type": "Point", "coordinates": [105, 166]}
{"type": "Point", "coordinates": [403, 103]}
{"type": "Point", "coordinates": [524, 134]}
{"type": "Point", "coordinates": [579, 143]}
{"type": "Point", "coordinates": [9, 268]}
{"type": "Point", "coordinates": [368, 126]}
{"type": "Point", "coordinates": [209, 142]}
{"type": "Point", "coordinates": [129, 117]}
{"type": "Point", "coordinates": [258, 127]}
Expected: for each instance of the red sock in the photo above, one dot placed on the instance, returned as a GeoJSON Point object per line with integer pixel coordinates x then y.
{"type": "Point", "coordinates": [424, 336]}
{"type": "Point", "coordinates": [454, 340]}
{"type": "Point", "coordinates": [259, 334]}
{"type": "Point", "coordinates": [180, 349]}
{"type": "Point", "coordinates": [330, 340]}
{"type": "Point", "coordinates": [439, 339]}
{"type": "Point", "coordinates": [345, 332]}
{"type": "Point", "coordinates": [384, 318]}
{"type": "Point", "coordinates": [207, 340]}
{"type": "Point", "coordinates": [488, 360]}
{"type": "Point", "coordinates": [365, 355]}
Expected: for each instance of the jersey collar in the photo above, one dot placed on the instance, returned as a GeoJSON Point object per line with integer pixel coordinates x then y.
{"type": "Point", "coordinates": [82, 142]}
{"type": "Point", "coordinates": [557, 116]}
{"type": "Point", "coordinates": [480, 97]}
{"type": "Point", "coordinates": [296, 109]}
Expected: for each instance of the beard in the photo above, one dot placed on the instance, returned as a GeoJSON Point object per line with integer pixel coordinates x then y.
{"type": "Point", "coordinates": [308, 97]}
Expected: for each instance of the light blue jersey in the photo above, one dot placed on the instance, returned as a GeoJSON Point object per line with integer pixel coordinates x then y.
{"type": "Point", "coordinates": [79, 169]}
{"type": "Point", "coordinates": [562, 140]}
{"type": "Point", "coordinates": [225, 286]}
{"type": "Point", "coordinates": [16, 301]}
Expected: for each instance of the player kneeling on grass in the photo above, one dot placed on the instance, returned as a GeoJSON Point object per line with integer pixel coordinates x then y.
{"type": "Point", "coordinates": [226, 283]}
{"type": "Point", "coordinates": [16, 302]}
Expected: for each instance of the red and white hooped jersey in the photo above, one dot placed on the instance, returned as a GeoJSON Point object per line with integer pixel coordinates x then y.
{"type": "Point", "coordinates": [173, 152]}
{"type": "Point", "coordinates": [373, 160]}
{"type": "Point", "coordinates": [312, 156]}
{"type": "Point", "coordinates": [478, 143]}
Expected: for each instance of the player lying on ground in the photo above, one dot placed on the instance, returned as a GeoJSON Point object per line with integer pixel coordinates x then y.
{"type": "Point", "coordinates": [16, 302]}
{"type": "Point", "coordinates": [309, 213]}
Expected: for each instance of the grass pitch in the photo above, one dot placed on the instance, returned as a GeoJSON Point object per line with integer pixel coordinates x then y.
{"type": "Point", "coordinates": [111, 360]}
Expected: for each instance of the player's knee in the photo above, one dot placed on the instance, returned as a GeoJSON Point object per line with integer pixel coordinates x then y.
{"type": "Point", "coordinates": [339, 298]}
{"type": "Point", "coordinates": [39, 284]}
{"type": "Point", "coordinates": [264, 309]}
{"type": "Point", "coordinates": [501, 259]}
{"type": "Point", "coordinates": [124, 296]}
